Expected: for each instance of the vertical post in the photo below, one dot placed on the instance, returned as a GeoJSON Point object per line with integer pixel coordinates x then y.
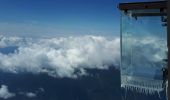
{"type": "Point", "coordinates": [168, 42]}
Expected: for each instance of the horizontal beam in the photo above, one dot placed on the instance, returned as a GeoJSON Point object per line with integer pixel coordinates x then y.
{"type": "Point", "coordinates": [148, 14]}
{"type": "Point", "coordinates": [143, 5]}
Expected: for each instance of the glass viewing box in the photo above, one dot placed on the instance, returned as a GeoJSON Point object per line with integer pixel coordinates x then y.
{"type": "Point", "coordinates": [143, 46]}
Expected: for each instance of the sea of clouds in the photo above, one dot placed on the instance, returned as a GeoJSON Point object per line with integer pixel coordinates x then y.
{"type": "Point", "coordinates": [60, 57]}
{"type": "Point", "coordinates": [71, 56]}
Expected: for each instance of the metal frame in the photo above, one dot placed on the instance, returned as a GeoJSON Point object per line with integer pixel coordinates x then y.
{"type": "Point", "coordinates": [143, 5]}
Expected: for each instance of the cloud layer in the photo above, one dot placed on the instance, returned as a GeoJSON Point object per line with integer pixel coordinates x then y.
{"type": "Point", "coordinates": [70, 56]}
{"type": "Point", "coordinates": [4, 92]}
{"type": "Point", "coordinates": [60, 57]}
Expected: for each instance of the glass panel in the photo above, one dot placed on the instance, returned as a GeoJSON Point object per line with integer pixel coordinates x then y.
{"type": "Point", "coordinates": [144, 45]}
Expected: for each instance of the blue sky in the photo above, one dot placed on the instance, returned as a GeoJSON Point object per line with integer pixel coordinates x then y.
{"type": "Point", "coordinates": [60, 17]}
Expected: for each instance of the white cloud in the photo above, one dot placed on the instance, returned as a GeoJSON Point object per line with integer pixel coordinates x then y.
{"type": "Point", "coordinates": [30, 94]}
{"type": "Point", "coordinates": [4, 92]}
{"type": "Point", "coordinates": [61, 57]}
{"type": "Point", "coordinates": [14, 41]}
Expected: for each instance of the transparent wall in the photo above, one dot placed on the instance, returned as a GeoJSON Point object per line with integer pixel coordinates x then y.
{"type": "Point", "coordinates": [144, 46]}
